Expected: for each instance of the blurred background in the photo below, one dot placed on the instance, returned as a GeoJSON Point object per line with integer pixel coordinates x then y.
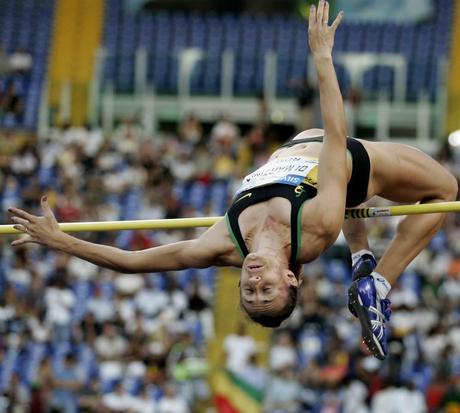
{"type": "Point", "coordinates": [156, 109]}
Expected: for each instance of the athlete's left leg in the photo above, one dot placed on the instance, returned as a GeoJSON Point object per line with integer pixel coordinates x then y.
{"type": "Point", "coordinates": [404, 174]}
{"type": "Point", "coordinates": [418, 178]}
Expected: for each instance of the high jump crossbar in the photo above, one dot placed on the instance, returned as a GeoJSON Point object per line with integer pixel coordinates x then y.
{"type": "Point", "coordinates": [182, 223]}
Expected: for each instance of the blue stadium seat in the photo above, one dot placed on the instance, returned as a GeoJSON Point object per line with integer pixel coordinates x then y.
{"type": "Point", "coordinates": [166, 34]}
{"type": "Point", "coordinates": [8, 365]}
{"type": "Point", "coordinates": [37, 352]}
{"type": "Point", "coordinates": [27, 25]}
{"type": "Point", "coordinates": [390, 36]}
{"type": "Point", "coordinates": [82, 290]}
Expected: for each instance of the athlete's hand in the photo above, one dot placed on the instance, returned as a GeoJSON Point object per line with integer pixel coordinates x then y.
{"type": "Point", "coordinates": [320, 34]}
{"type": "Point", "coordinates": [41, 230]}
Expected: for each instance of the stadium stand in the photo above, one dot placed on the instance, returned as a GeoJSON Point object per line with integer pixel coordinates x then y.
{"type": "Point", "coordinates": [164, 34]}
{"type": "Point", "coordinates": [63, 321]}
{"type": "Point", "coordinates": [25, 26]}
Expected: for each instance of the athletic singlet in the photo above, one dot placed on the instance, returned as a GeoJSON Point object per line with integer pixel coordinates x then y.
{"type": "Point", "coordinates": [295, 179]}
{"type": "Point", "coordinates": [290, 170]}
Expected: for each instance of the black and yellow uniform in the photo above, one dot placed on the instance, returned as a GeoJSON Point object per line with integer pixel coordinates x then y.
{"type": "Point", "coordinates": [297, 195]}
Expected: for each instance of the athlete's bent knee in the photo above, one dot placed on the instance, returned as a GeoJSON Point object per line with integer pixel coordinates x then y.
{"type": "Point", "coordinates": [450, 188]}
{"type": "Point", "coordinates": [444, 188]}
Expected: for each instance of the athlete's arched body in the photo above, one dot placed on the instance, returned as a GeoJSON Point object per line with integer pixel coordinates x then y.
{"type": "Point", "coordinates": [292, 209]}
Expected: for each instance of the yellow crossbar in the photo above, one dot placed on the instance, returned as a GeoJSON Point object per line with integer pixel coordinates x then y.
{"type": "Point", "coordinates": [181, 223]}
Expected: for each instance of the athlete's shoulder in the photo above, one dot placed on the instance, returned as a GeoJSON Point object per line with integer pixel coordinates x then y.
{"type": "Point", "coordinates": [319, 228]}
{"type": "Point", "coordinates": [218, 243]}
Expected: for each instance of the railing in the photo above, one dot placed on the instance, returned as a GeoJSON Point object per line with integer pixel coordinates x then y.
{"type": "Point", "coordinates": [143, 97]}
{"type": "Point", "coordinates": [271, 77]}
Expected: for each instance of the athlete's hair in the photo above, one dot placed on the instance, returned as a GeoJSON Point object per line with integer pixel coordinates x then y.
{"type": "Point", "coordinates": [275, 318]}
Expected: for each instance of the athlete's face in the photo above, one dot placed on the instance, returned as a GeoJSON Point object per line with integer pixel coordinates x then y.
{"type": "Point", "coordinates": [264, 284]}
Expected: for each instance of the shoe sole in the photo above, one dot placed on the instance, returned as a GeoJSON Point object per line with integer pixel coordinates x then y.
{"type": "Point", "coordinates": [366, 328]}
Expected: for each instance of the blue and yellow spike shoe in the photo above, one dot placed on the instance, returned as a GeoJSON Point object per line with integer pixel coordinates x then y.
{"type": "Point", "coordinates": [372, 313]}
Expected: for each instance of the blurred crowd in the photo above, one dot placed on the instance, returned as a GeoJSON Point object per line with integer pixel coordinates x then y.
{"type": "Point", "coordinates": [14, 78]}
{"type": "Point", "coordinates": [75, 337]}
{"type": "Point", "coordinates": [79, 337]}
{"type": "Point", "coordinates": [317, 362]}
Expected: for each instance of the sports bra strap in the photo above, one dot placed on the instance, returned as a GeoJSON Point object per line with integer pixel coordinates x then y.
{"type": "Point", "coordinates": [295, 195]}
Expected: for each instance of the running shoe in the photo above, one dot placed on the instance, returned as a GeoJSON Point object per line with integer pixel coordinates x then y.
{"type": "Point", "coordinates": [372, 312]}
{"type": "Point", "coordinates": [362, 268]}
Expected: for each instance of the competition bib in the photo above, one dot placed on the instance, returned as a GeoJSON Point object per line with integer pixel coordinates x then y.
{"type": "Point", "coordinates": [291, 170]}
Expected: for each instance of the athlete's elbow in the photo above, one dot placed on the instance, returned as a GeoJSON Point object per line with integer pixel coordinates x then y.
{"type": "Point", "coordinates": [128, 263]}
{"type": "Point", "coordinates": [337, 132]}
{"type": "Point", "coordinates": [332, 224]}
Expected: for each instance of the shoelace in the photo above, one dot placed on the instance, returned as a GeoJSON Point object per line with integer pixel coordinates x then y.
{"type": "Point", "coordinates": [382, 317]}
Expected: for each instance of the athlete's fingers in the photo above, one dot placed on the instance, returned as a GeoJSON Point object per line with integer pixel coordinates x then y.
{"type": "Point", "coordinates": [20, 227]}
{"type": "Point", "coordinates": [20, 221]}
{"type": "Point", "coordinates": [320, 12]}
{"type": "Point", "coordinates": [337, 20]}
{"type": "Point", "coordinates": [22, 214]}
{"type": "Point", "coordinates": [312, 17]}
{"type": "Point", "coordinates": [326, 13]}
{"type": "Point", "coordinates": [23, 240]}
{"type": "Point", "coordinates": [46, 207]}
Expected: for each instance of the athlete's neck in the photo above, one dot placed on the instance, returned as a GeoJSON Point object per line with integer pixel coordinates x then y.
{"type": "Point", "coordinates": [267, 241]}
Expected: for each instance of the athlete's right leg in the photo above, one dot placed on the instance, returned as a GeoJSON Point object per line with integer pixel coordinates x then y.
{"type": "Point", "coordinates": [362, 259]}
{"type": "Point", "coordinates": [363, 299]}
{"type": "Point", "coordinates": [355, 233]}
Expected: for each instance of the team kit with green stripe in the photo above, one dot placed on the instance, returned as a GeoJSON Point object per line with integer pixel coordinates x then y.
{"type": "Point", "coordinates": [295, 179]}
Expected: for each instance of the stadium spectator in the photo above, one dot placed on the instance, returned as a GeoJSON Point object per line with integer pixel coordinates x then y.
{"type": "Point", "coordinates": [144, 402]}
{"type": "Point", "coordinates": [171, 401]}
{"type": "Point", "coordinates": [38, 327]}
{"type": "Point", "coordinates": [191, 131]}
{"type": "Point", "coordinates": [44, 382]}
{"type": "Point", "coordinates": [283, 392]}
{"type": "Point", "coordinates": [283, 352]}
{"type": "Point", "coordinates": [239, 348]}
{"type": "Point", "coordinates": [118, 400]}
{"type": "Point", "coordinates": [356, 394]}
{"type": "Point", "coordinates": [254, 374]}
{"type": "Point", "coordinates": [127, 137]}
{"type": "Point", "coordinates": [89, 398]}
{"type": "Point", "coordinates": [151, 301]}
{"type": "Point", "coordinates": [110, 345]}
{"type": "Point", "coordinates": [67, 383]}
{"type": "Point", "coordinates": [25, 163]}
{"type": "Point", "coordinates": [16, 394]}
{"type": "Point", "coordinates": [305, 95]}
{"type": "Point", "coordinates": [11, 105]}
{"type": "Point", "coordinates": [59, 301]}
{"type": "Point", "coordinates": [20, 61]}
{"type": "Point", "coordinates": [183, 166]}
{"type": "Point", "coordinates": [101, 307]}
{"type": "Point", "coordinates": [398, 399]}
{"type": "Point", "coordinates": [199, 305]}
{"type": "Point", "coordinates": [451, 400]}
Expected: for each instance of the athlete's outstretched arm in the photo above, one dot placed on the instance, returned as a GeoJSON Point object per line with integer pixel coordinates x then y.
{"type": "Point", "coordinates": [199, 253]}
{"type": "Point", "coordinates": [332, 170]}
